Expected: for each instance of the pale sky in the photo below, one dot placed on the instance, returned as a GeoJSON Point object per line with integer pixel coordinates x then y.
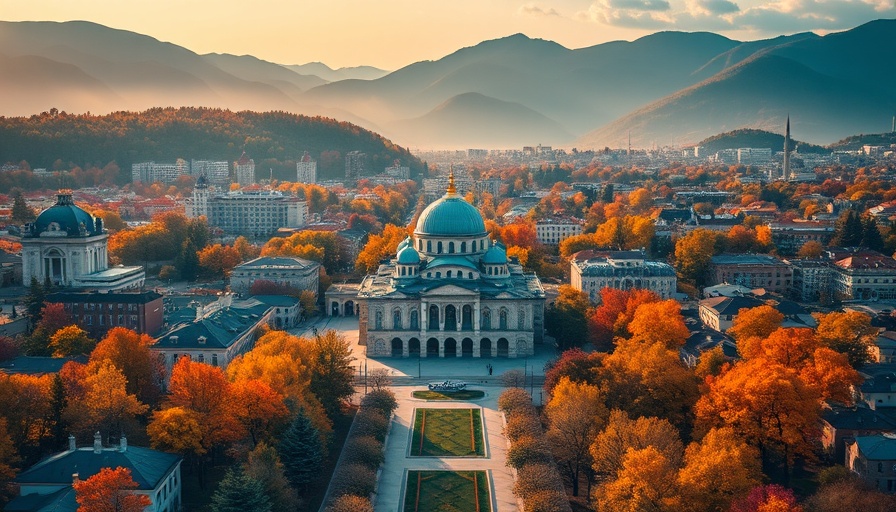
{"type": "Point", "coordinates": [390, 34]}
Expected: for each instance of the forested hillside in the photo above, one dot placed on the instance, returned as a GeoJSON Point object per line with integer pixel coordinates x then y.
{"type": "Point", "coordinates": [273, 139]}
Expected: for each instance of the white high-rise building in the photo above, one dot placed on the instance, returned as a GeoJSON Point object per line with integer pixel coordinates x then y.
{"type": "Point", "coordinates": [256, 213]}
{"type": "Point", "coordinates": [151, 172]}
{"type": "Point", "coordinates": [216, 172]}
{"type": "Point", "coordinates": [306, 169]}
{"type": "Point", "coordinates": [244, 170]}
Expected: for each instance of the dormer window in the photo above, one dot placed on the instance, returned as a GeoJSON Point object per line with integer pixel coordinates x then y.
{"type": "Point", "coordinates": [202, 340]}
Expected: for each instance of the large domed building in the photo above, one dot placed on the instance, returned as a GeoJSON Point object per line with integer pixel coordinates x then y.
{"type": "Point", "coordinates": [68, 246]}
{"type": "Point", "coordinates": [450, 291]}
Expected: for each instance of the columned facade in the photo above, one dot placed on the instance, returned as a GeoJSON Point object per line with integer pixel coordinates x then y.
{"type": "Point", "coordinates": [449, 292]}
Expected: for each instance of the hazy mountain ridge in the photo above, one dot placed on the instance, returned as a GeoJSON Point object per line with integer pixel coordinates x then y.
{"type": "Point", "coordinates": [760, 91]}
{"type": "Point", "coordinates": [667, 87]}
{"type": "Point", "coordinates": [750, 138]}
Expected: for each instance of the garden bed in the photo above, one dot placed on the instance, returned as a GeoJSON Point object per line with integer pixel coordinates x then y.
{"type": "Point", "coordinates": [454, 491]}
{"type": "Point", "coordinates": [447, 433]}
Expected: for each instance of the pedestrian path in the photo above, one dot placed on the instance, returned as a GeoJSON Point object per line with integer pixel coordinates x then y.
{"type": "Point", "coordinates": [391, 485]}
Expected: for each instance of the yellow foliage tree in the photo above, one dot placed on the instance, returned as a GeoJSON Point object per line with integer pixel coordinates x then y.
{"type": "Point", "coordinates": [380, 247]}
{"type": "Point", "coordinates": [107, 405]}
{"type": "Point", "coordinates": [646, 482]}
{"type": "Point", "coordinates": [176, 429]}
{"type": "Point", "coordinates": [575, 414]}
{"type": "Point", "coordinates": [71, 340]}
{"type": "Point", "coordinates": [717, 470]}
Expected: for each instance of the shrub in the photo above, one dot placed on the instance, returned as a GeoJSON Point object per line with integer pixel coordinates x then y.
{"type": "Point", "coordinates": [366, 450]}
{"type": "Point", "coordinates": [513, 400]}
{"type": "Point", "coordinates": [349, 503]}
{"type": "Point", "coordinates": [382, 400]}
{"type": "Point", "coordinates": [354, 479]}
{"type": "Point", "coordinates": [513, 379]}
{"type": "Point", "coordinates": [532, 479]}
{"type": "Point", "coordinates": [528, 450]}
{"type": "Point", "coordinates": [547, 501]}
{"type": "Point", "coordinates": [371, 423]}
{"type": "Point", "coordinates": [522, 425]}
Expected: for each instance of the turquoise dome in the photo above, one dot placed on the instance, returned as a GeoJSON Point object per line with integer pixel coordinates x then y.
{"type": "Point", "coordinates": [408, 256]}
{"type": "Point", "coordinates": [450, 216]}
{"type": "Point", "coordinates": [495, 256]}
{"type": "Point", "coordinates": [65, 217]}
{"type": "Point", "coordinates": [404, 243]}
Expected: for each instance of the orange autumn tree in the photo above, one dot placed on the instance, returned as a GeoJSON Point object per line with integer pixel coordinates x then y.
{"type": "Point", "coordinates": [766, 404]}
{"type": "Point", "coordinates": [752, 325]}
{"type": "Point", "coordinates": [659, 322]}
{"type": "Point", "coordinates": [110, 490]}
{"type": "Point", "coordinates": [218, 260]}
{"type": "Point", "coordinates": [615, 313]}
{"type": "Point", "coordinates": [129, 352]}
{"type": "Point", "coordinates": [258, 408]}
{"type": "Point", "coordinates": [380, 247]}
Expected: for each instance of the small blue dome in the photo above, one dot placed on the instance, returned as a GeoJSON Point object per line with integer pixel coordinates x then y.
{"type": "Point", "coordinates": [65, 217]}
{"type": "Point", "coordinates": [408, 256]}
{"type": "Point", "coordinates": [495, 256]}
{"type": "Point", "coordinates": [450, 216]}
{"type": "Point", "coordinates": [404, 243]}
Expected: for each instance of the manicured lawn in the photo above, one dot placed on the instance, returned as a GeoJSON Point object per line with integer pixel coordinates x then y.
{"type": "Point", "coordinates": [447, 491]}
{"type": "Point", "coordinates": [447, 432]}
{"type": "Point", "coordinates": [467, 394]}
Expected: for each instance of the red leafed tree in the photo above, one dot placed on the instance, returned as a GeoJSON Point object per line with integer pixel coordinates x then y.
{"type": "Point", "coordinates": [616, 311]}
{"type": "Point", "coordinates": [768, 498]}
{"type": "Point", "coordinates": [110, 491]}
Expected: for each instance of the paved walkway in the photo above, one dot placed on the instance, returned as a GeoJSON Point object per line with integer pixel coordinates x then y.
{"type": "Point", "coordinates": [412, 374]}
{"type": "Point", "coordinates": [418, 371]}
{"type": "Point", "coordinates": [392, 481]}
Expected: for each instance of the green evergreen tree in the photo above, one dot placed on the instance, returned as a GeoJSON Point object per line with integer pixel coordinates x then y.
{"type": "Point", "coordinates": [606, 195]}
{"type": "Point", "coordinates": [187, 262]}
{"type": "Point", "coordinates": [849, 230]}
{"type": "Point", "coordinates": [239, 492]}
{"type": "Point", "coordinates": [21, 212]}
{"type": "Point", "coordinates": [58, 402]}
{"type": "Point", "coordinates": [34, 301]}
{"type": "Point", "coordinates": [301, 451]}
{"type": "Point", "coordinates": [263, 464]}
{"type": "Point", "coordinates": [871, 237]}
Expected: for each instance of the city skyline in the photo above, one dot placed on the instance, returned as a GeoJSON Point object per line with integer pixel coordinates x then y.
{"type": "Point", "coordinates": [344, 33]}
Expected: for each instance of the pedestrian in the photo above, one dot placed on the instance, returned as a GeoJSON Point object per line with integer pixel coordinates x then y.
{"type": "Point", "coordinates": [490, 368]}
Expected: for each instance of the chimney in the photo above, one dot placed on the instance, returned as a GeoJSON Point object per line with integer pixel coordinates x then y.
{"type": "Point", "coordinates": [75, 478]}
{"type": "Point", "coordinates": [72, 445]}
{"type": "Point", "coordinates": [97, 442]}
{"type": "Point", "coordinates": [123, 446]}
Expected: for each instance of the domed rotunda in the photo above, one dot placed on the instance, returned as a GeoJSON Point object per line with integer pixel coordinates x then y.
{"type": "Point", "coordinates": [450, 291]}
{"type": "Point", "coordinates": [68, 246]}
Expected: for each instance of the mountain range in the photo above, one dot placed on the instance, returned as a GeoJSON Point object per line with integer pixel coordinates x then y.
{"type": "Point", "coordinates": [666, 88]}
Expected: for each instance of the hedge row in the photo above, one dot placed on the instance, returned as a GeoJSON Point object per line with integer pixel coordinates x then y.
{"type": "Point", "coordinates": [538, 481]}
{"type": "Point", "coordinates": [355, 478]}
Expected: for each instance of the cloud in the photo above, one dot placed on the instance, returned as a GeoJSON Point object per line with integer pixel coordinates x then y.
{"type": "Point", "coordinates": [821, 15]}
{"type": "Point", "coordinates": [639, 5]}
{"type": "Point", "coordinates": [645, 14]}
{"type": "Point", "coordinates": [713, 7]}
{"type": "Point", "coordinates": [533, 9]}
{"type": "Point", "coordinates": [746, 16]}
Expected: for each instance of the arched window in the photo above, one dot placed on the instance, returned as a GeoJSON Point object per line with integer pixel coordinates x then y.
{"type": "Point", "coordinates": [379, 320]}
{"type": "Point", "coordinates": [463, 247]}
{"type": "Point", "coordinates": [433, 317]}
{"type": "Point", "coordinates": [396, 319]}
{"type": "Point", "coordinates": [438, 275]}
{"type": "Point", "coordinates": [486, 319]}
{"type": "Point", "coordinates": [449, 274]}
{"type": "Point", "coordinates": [469, 275]}
{"type": "Point", "coordinates": [214, 359]}
{"type": "Point", "coordinates": [439, 248]}
{"type": "Point", "coordinates": [502, 319]}
{"type": "Point", "coordinates": [429, 246]}
{"type": "Point", "coordinates": [415, 322]}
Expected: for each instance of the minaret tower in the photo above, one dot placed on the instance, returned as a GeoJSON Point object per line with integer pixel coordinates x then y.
{"type": "Point", "coordinates": [787, 149]}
